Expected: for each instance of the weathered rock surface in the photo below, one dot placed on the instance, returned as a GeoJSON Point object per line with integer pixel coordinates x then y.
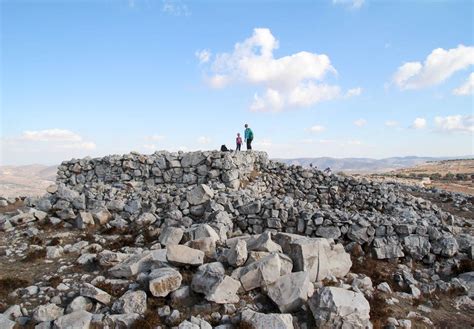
{"type": "Point", "coordinates": [163, 281]}
{"type": "Point", "coordinates": [339, 308]}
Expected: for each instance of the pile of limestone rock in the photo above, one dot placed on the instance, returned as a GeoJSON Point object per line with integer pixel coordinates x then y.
{"type": "Point", "coordinates": [233, 240]}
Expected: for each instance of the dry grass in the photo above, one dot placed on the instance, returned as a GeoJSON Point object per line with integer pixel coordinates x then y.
{"type": "Point", "coordinates": [113, 290]}
{"type": "Point", "coordinates": [378, 270]}
{"type": "Point", "coordinates": [34, 255]}
{"type": "Point", "coordinates": [55, 241]}
{"type": "Point", "coordinates": [36, 240]}
{"type": "Point", "coordinates": [151, 319]}
{"type": "Point", "coordinates": [55, 281]}
{"type": "Point", "coordinates": [465, 265]}
{"type": "Point", "coordinates": [8, 285]}
{"type": "Point", "coordinates": [379, 311]}
{"type": "Point", "coordinates": [12, 207]}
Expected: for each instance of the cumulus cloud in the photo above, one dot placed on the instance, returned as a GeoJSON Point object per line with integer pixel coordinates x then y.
{"type": "Point", "coordinates": [87, 146]}
{"type": "Point", "coordinates": [354, 92]}
{"type": "Point", "coordinates": [54, 139]}
{"type": "Point", "coordinates": [437, 67]}
{"type": "Point", "coordinates": [391, 123]}
{"type": "Point", "coordinates": [353, 4]}
{"type": "Point", "coordinates": [45, 145]}
{"type": "Point", "coordinates": [296, 80]}
{"type": "Point", "coordinates": [466, 88]}
{"type": "Point", "coordinates": [204, 140]}
{"type": "Point", "coordinates": [175, 8]}
{"type": "Point", "coordinates": [419, 123]}
{"type": "Point", "coordinates": [48, 135]}
{"type": "Point", "coordinates": [360, 122]}
{"type": "Point", "coordinates": [317, 129]}
{"type": "Point", "coordinates": [203, 55]}
{"type": "Point", "coordinates": [455, 123]}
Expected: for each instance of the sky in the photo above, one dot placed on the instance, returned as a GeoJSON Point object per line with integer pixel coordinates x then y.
{"type": "Point", "coordinates": [338, 78]}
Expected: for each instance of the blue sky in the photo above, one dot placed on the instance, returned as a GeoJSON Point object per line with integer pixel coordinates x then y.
{"type": "Point", "coordinates": [342, 78]}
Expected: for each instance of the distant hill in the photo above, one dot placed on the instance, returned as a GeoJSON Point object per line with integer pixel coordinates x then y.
{"type": "Point", "coordinates": [26, 180]}
{"type": "Point", "coordinates": [365, 165]}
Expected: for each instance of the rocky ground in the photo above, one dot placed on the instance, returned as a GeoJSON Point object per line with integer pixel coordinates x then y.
{"type": "Point", "coordinates": [211, 239]}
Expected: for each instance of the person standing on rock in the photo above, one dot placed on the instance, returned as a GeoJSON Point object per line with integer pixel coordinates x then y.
{"type": "Point", "coordinates": [248, 136]}
{"type": "Point", "coordinates": [238, 142]}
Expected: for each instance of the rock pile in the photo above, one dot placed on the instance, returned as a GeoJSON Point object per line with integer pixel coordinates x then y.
{"type": "Point", "coordinates": [223, 239]}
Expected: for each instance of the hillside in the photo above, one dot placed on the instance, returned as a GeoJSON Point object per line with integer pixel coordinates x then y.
{"type": "Point", "coordinates": [29, 180]}
{"type": "Point", "coordinates": [449, 175]}
{"type": "Point", "coordinates": [362, 165]}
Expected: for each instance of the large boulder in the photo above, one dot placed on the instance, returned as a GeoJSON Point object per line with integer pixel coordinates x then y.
{"type": "Point", "coordinates": [290, 291]}
{"type": "Point", "coordinates": [255, 320]}
{"type": "Point", "coordinates": [183, 255]}
{"type": "Point", "coordinates": [163, 281]}
{"type": "Point", "coordinates": [334, 307]}
{"type": "Point", "coordinates": [131, 302]}
{"type": "Point", "coordinates": [387, 248]}
{"type": "Point", "coordinates": [6, 323]}
{"type": "Point", "coordinates": [47, 312]}
{"type": "Point", "coordinates": [88, 290]}
{"type": "Point", "coordinates": [171, 236]}
{"type": "Point", "coordinates": [139, 263]}
{"type": "Point", "coordinates": [320, 258]}
{"type": "Point", "coordinates": [77, 320]}
{"type": "Point", "coordinates": [199, 194]}
{"type": "Point", "coordinates": [210, 280]}
{"type": "Point", "coordinates": [417, 246]}
{"type": "Point", "coordinates": [259, 273]}
{"type": "Point", "coordinates": [237, 254]}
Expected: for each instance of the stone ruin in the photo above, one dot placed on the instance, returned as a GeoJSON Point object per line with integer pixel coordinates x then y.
{"type": "Point", "coordinates": [265, 244]}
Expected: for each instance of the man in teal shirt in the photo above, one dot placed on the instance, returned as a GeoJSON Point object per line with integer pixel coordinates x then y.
{"type": "Point", "coordinates": [248, 136]}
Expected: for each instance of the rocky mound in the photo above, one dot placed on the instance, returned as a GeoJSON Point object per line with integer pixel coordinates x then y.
{"type": "Point", "coordinates": [231, 240]}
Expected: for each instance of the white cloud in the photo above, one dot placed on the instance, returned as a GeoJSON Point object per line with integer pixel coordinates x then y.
{"type": "Point", "coordinates": [218, 81]}
{"type": "Point", "coordinates": [317, 129]}
{"type": "Point", "coordinates": [44, 146]}
{"type": "Point", "coordinates": [203, 55]}
{"type": "Point", "coordinates": [391, 123]}
{"type": "Point", "coordinates": [419, 123]}
{"type": "Point", "coordinates": [455, 123]}
{"type": "Point", "coordinates": [54, 139]}
{"type": "Point", "coordinates": [175, 8]}
{"type": "Point", "coordinates": [353, 4]}
{"type": "Point", "coordinates": [466, 88]}
{"type": "Point", "coordinates": [290, 81]}
{"type": "Point", "coordinates": [86, 146]}
{"type": "Point", "coordinates": [360, 122]}
{"type": "Point", "coordinates": [354, 92]}
{"type": "Point", "coordinates": [48, 135]}
{"type": "Point", "coordinates": [204, 140]}
{"type": "Point", "coordinates": [437, 67]}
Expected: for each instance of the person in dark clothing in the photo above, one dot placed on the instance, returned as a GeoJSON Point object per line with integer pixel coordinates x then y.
{"type": "Point", "coordinates": [248, 136]}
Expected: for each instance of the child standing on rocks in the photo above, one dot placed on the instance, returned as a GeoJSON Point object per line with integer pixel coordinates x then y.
{"type": "Point", "coordinates": [238, 141]}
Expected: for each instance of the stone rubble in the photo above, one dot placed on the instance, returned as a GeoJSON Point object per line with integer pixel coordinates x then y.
{"type": "Point", "coordinates": [220, 239]}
